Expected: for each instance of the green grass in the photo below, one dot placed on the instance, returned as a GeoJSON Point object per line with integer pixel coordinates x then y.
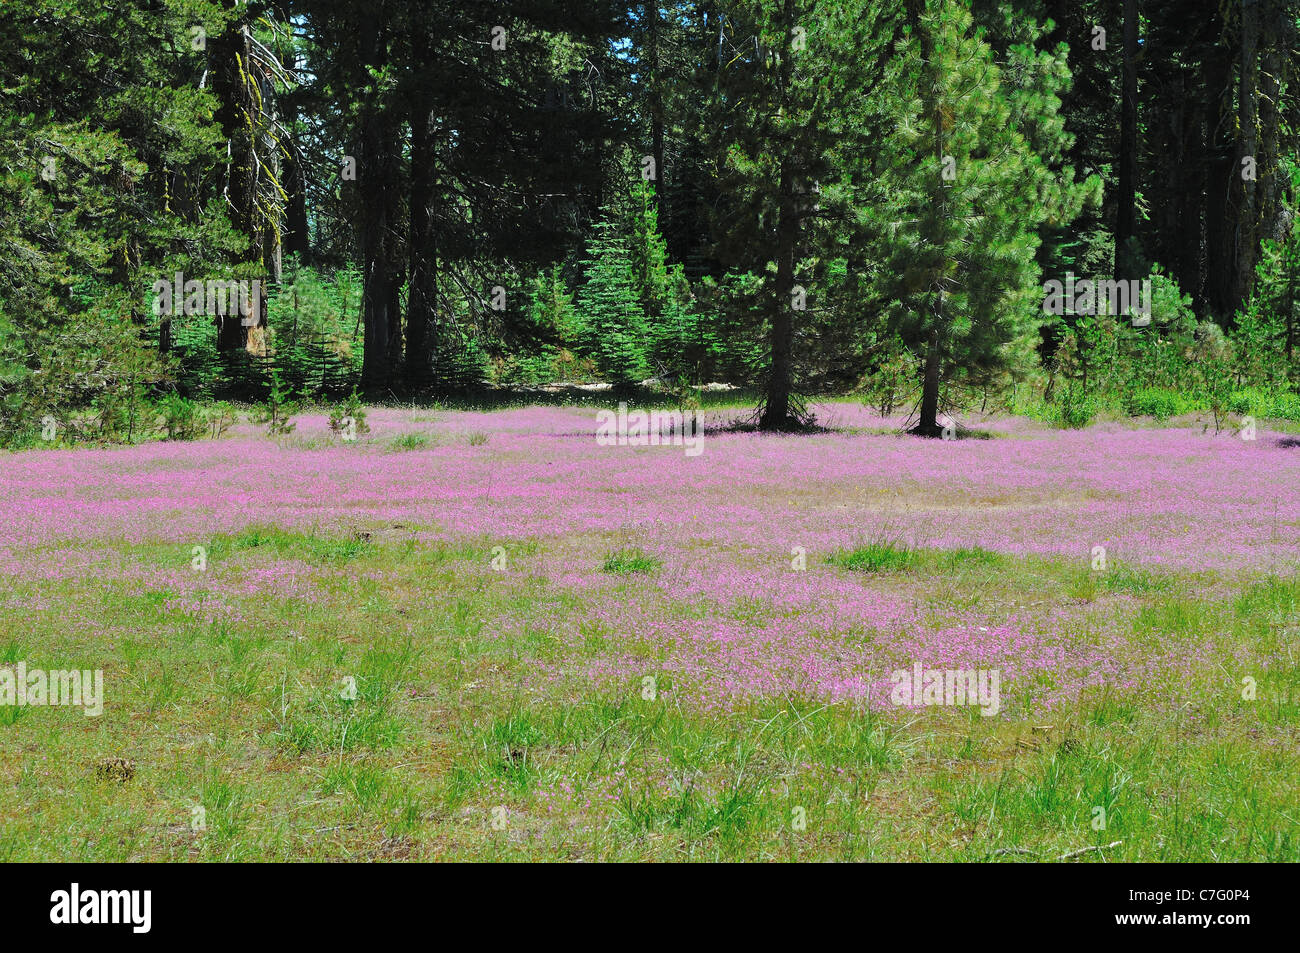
{"type": "Point", "coordinates": [280, 542]}
{"type": "Point", "coordinates": [875, 557]}
{"type": "Point", "coordinates": [409, 441]}
{"type": "Point", "coordinates": [466, 738]}
{"type": "Point", "coordinates": [885, 556]}
{"type": "Point", "coordinates": [1122, 577]}
{"type": "Point", "coordinates": [630, 560]}
{"type": "Point", "coordinates": [970, 557]}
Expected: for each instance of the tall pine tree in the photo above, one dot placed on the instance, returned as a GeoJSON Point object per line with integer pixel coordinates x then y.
{"type": "Point", "coordinates": [971, 174]}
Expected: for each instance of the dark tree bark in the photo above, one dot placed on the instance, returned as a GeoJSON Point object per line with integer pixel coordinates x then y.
{"type": "Point", "coordinates": [395, 282]}
{"type": "Point", "coordinates": [376, 191]}
{"type": "Point", "coordinates": [1273, 65]}
{"type": "Point", "coordinates": [776, 410]}
{"type": "Point", "coordinates": [1126, 213]}
{"type": "Point", "coordinates": [656, 103]}
{"type": "Point", "coordinates": [1185, 264]}
{"type": "Point", "coordinates": [225, 53]}
{"type": "Point", "coordinates": [928, 426]}
{"type": "Point", "coordinates": [421, 306]}
{"type": "Point", "coordinates": [377, 294]}
{"type": "Point", "coordinates": [1244, 198]}
{"type": "Point", "coordinates": [932, 379]}
{"type": "Point", "coordinates": [1221, 167]}
{"type": "Point", "coordinates": [297, 236]}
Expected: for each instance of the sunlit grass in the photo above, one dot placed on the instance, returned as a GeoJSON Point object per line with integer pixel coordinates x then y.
{"type": "Point", "coordinates": [411, 700]}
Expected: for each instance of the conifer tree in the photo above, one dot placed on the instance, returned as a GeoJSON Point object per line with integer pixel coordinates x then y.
{"type": "Point", "coordinates": [790, 78]}
{"type": "Point", "coordinates": [968, 178]}
{"type": "Point", "coordinates": [648, 250]}
{"type": "Point", "coordinates": [612, 320]}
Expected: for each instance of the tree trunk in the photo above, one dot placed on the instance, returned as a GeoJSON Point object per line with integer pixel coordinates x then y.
{"type": "Point", "coordinates": [1245, 238]}
{"type": "Point", "coordinates": [375, 188]}
{"type": "Point", "coordinates": [1126, 214]}
{"type": "Point", "coordinates": [297, 238]}
{"type": "Point", "coordinates": [1220, 156]}
{"type": "Point", "coordinates": [776, 411]}
{"type": "Point", "coordinates": [297, 234]}
{"type": "Point", "coordinates": [421, 304]}
{"type": "Point", "coordinates": [1273, 63]}
{"type": "Point", "coordinates": [224, 53]}
{"type": "Point", "coordinates": [656, 105]}
{"type": "Point", "coordinates": [1190, 177]}
{"type": "Point", "coordinates": [375, 371]}
{"type": "Point", "coordinates": [931, 233]}
{"type": "Point", "coordinates": [928, 426]}
{"type": "Point", "coordinates": [395, 282]}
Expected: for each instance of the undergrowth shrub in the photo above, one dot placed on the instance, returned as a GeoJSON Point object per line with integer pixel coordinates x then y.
{"type": "Point", "coordinates": [1158, 402]}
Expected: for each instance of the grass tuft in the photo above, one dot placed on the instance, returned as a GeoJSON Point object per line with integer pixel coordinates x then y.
{"type": "Point", "coordinates": [629, 560]}
{"type": "Point", "coordinates": [875, 557]}
{"type": "Point", "coordinates": [409, 441]}
{"type": "Point", "coordinates": [969, 556]}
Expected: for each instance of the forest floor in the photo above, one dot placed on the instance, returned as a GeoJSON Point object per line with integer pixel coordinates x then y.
{"type": "Point", "coordinates": [478, 635]}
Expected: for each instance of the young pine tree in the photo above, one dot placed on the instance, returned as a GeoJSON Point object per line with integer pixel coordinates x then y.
{"type": "Point", "coordinates": [612, 319]}
{"type": "Point", "coordinates": [649, 252]}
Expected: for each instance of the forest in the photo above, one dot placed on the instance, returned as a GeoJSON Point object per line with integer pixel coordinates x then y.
{"type": "Point", "coordinates": [795, 198]}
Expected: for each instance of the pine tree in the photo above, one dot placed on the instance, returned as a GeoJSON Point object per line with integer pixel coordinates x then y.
{"type": "Point", "coordinates": [613, 327]}
{"type": "Point", "coordinates": [789, 78]}
{"type": "Point", "coordinates": [648, 250]}
{"type": "Point", "coordinates": [106, 182]}
{"type": "Point", "coordinates": [970, 175]}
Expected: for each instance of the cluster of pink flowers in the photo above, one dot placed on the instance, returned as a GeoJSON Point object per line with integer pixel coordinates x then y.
{"type": "Point", "coordinates": [725, 612]}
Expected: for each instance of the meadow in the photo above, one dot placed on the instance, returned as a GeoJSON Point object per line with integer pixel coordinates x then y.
{"type": "Point", "coordinates": [480, 635]}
